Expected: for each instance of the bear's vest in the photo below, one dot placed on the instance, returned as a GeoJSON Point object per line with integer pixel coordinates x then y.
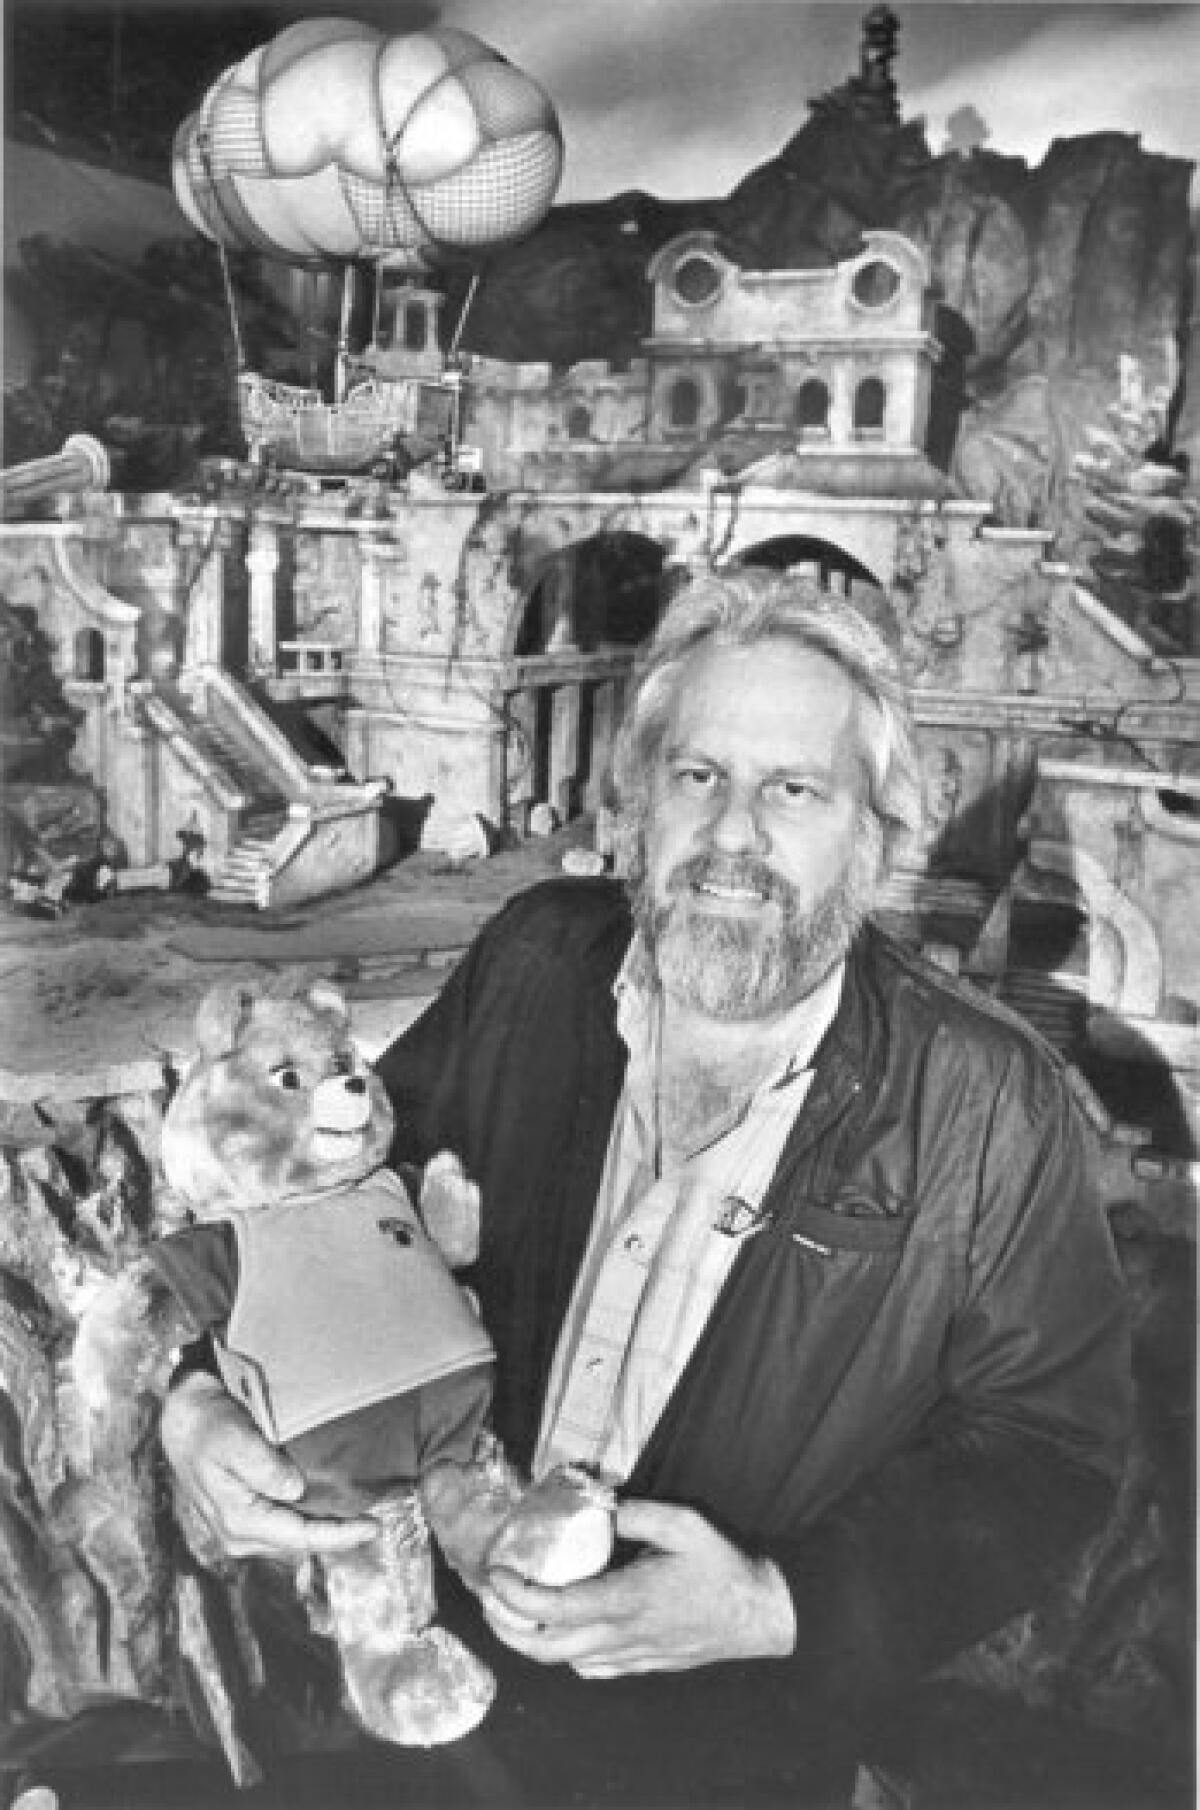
{"type": "Point", "coordinates": [371, 1310]}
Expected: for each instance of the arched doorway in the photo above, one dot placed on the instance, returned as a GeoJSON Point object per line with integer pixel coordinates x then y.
{"type": "Point", "coordinates": [830, 565]}
{"type": "Point", "coordinates": [834, 570]}
{"type": "Point", "coordinates": [89, 656]}
{"type": "Point", "coordinates": [590, 608]}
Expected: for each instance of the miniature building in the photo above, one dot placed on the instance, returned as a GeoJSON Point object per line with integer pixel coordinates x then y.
{"type": "Point", "coordinates": [838, 360]}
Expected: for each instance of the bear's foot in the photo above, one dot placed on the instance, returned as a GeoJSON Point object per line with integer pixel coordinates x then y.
{"type": "Point", "coordinates": [561, 1530]}
{"type": "Point", "coordinates": [424, 1693]}
{"type": "Point", "coordinates": [405, 1681]}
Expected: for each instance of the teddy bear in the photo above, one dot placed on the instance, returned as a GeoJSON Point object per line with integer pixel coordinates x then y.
{"type": "Point", "coordinates": [335, 1320]}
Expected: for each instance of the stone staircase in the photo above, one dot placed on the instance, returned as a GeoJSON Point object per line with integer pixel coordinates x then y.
{"type": "Point", "coordinates": [244, 876]}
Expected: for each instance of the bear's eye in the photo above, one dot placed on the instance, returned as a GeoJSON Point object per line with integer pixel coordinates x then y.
{"type": "Point", "coordinates": [343, 1063]}
{"type": "Point", "coordinates": [286, 1076]}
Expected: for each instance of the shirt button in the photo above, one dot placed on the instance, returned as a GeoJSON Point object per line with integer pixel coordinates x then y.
{"type": "Point", "coordinates": [594, 1366]}
{"type": "Point", "coordinates": [633, 1243]}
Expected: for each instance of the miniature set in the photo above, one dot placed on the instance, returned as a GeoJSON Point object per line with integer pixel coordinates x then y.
{"type": "Point", "coordinates": [428, 587]}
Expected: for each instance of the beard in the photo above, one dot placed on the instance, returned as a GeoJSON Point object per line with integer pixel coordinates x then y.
{"type": "Point", "coordinates": [747, 967]}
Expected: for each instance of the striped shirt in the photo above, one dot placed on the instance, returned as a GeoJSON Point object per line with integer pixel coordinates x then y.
{"type": "Point", "coordinates": [662, 1244]}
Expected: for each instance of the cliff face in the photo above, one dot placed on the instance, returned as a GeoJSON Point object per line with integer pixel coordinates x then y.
{"type": "Point", "coordinates": [1045, 276]}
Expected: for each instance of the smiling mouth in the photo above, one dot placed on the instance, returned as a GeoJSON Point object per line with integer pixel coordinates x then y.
{"type": "Point", "coordinates": [329, 1144]}
{"type": "Point", "coordinates": [730, 895]}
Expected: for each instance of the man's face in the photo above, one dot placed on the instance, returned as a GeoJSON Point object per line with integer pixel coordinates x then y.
{"type": "Point", "coordinates": [760, 856]}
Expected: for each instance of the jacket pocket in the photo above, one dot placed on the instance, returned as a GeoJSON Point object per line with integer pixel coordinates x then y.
{"type": "Point", "coordinates": [851, 1221]}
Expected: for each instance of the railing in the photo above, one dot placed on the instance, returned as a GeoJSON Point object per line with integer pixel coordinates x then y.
{"type": "Point", "coordinates": [561, 713]}
{"type": "Point", "coordinates": [310, 657]}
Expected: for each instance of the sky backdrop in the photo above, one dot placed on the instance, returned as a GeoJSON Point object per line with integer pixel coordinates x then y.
{"type": "Point", "coordinates": [683, 97]}
{"type": "Point", "coordinates": [678, 97]}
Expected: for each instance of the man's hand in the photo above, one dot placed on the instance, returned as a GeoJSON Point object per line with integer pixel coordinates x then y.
{"type": "Point", "coordinates": [690, 1599]}
{"type": "Point", "coordinates": [232, 1485]}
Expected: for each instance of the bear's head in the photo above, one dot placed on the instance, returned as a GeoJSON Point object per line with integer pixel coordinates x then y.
{"type": "Point", "coordinates": [276, 1102]}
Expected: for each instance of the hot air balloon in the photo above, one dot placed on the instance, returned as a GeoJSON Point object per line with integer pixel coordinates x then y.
{"type": "Point", "coordinates": [336, 146]}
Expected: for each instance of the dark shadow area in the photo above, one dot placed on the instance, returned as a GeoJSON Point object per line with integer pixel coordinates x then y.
{"type": "Point", "coordinates": [1087, 1702]}
{"type": "Point", "coordinates": [948, 394]}
{"type": "Point", "coordinates": [401, 821]}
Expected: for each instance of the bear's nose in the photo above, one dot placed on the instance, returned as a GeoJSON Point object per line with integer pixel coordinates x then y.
{"type": "Point", "coordinates": [356, 1085]}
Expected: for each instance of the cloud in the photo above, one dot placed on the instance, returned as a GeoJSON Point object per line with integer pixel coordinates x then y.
{"type": "Point", "coordinates": [680, 97]}
{"type": "Point", "coordinates": [684, 97]}
{"type": "Point", "coordinates": [1103, 70]}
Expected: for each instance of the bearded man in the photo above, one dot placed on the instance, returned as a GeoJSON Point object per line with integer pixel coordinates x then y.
{"type": "Point", "coordinates": [785, 1233]}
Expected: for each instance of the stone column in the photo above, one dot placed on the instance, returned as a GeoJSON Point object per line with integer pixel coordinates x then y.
{"type": "Point", "coordinates": [201, 546]}
{"type": "Point", "coordinates": [81, 465]}
{"type": "Point", "coordinates": [520, 757]}
{"type": "Point", "coordinates": [262, 563]}
{"type": "Point", "coordinates": [604, 727]}
{"type": "Point", "coordinates": [564, 750]}
{"type": "Point", "coordinates": [373, 594]}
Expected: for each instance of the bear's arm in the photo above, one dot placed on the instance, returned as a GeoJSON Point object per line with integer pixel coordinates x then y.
{"type": "Point", "coordinates": [199, 1266]}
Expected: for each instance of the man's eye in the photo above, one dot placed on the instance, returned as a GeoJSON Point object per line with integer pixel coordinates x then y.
{"type": "Point", "coordinates": [695, 779]}
{"type": "Point", "coordinates": [794, 792]}
{"type": "Point", "coordinates": [286, 1077]}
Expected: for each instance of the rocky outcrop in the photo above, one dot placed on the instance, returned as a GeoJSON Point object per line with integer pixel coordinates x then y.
{"type": "Point", "coordinates": [1045, 276]}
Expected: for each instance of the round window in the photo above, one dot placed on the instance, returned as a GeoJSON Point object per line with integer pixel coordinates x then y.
{"type": "Point", "coordinates": [875, 284]}
{"type": "Point", "coordinates": [697, 280]}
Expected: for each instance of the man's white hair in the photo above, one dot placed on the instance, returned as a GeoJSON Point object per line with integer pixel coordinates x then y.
{"type": "Point", "coordinates": [742, 606]}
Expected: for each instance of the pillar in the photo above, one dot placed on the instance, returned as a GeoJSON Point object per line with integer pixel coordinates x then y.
{"type": "Point", "coordinates": [262, 563]}
{"type": "Point", "coordinates": [564, 750]}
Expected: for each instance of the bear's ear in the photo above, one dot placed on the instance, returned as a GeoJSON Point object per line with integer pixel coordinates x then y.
{"type": "Point", "coordinates": [223, 1014]}
{"type": "Point", "coordinates": [324, 996]}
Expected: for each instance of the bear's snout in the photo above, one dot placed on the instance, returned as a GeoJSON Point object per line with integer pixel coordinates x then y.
{"type": "Point", "coordinates": [342, 1103]}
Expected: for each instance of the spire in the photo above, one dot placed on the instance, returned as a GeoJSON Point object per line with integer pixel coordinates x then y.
{"type": "Point", "coordinates": [880, 31]}
{"type": "Point", "coordinates": [870, 96]}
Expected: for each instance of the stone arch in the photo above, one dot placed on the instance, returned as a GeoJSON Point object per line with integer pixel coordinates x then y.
{"type": "Point", "coordinates": [832, 566]}
{"type": "Point", "coordinates": [601, 592]}
{"type": "Point", "coordinates": [414, 326]}
{"type": "Point", "coordinates": [683, 403]}
{"type": "Point", "coordinates": [1124, 959]}
{"type": "Point", "coordinates": [88, 656]}
{"type": "Point", "coordinates": [870, 407]}
{"type": "Point", "coordinates": [811, 410]}
{"type": "Point", "coordinates": [588, 607]}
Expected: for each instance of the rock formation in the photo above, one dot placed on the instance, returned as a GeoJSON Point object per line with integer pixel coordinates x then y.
{"type": "Point", "coordinates": [1046, 277]}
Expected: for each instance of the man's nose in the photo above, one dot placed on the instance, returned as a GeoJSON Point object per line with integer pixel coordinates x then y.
{"type": "Point", "coordinates": [736, 827]}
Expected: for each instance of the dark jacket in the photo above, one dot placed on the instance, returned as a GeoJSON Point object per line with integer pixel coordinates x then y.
{"type": "Point", "coordinates": [912, 1392]}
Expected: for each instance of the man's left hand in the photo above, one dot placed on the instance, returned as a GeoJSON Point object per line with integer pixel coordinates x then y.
{"type": "Point", "coordinates": [691, 1598]}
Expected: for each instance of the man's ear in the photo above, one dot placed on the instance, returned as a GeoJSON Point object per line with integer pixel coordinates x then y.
{"type": "Point", "coordinates": [223, 1015]}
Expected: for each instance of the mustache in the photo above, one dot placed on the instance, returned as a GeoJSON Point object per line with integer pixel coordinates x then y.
{"type": "Point", "coordinates": [744, 873]}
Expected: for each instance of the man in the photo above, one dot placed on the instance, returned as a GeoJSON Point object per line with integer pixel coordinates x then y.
{"type": "Point", "coordinates": [784, 1231]}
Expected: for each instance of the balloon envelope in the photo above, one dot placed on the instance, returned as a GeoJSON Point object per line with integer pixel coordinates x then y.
{"type": "Point", "coordinates": [336, 142]}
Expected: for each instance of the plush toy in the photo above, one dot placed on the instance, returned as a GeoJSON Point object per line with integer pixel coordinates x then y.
{"type": "Point", "coordinates": [336, 1321]}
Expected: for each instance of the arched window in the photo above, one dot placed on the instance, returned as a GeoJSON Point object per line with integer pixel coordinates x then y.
{"type": "Point", "coordinates": [416, 327]}
{"type": "Point", "coordinates": [812, 409]}
{"type": "Point", "coordinates": [579, 423]}
{"type": "Point", "coordinates": [870, 401]}
{"type": "Point", "coordinates": [89, 656]}
{"type": "Point", "coordinates": [684, 402]}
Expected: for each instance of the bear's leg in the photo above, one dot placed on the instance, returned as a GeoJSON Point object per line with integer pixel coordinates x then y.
{"type": "Point", "coordinates": [468, 1504]}
{"type": "Point", "coordinates": [406, 1681]}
